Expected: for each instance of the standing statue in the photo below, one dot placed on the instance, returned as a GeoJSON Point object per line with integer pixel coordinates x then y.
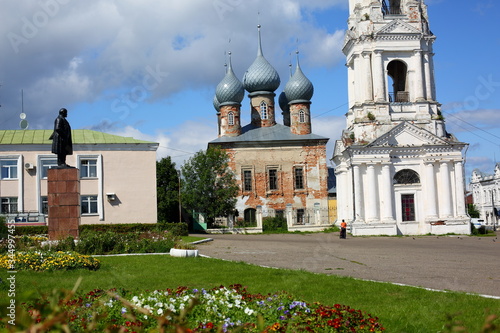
{"type": "Point", "coordinates": [62, 144]}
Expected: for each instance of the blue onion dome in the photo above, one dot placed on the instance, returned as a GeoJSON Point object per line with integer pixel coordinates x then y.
{"type": "Point", "coordinates": [230, 89]}
{"type": "Point", "coordinates": [283, 102]}
{"type": "Point", "coordinates": [299, 88]}
{"type": "Point", "coordinates": [216, 104]}
{"type": "Point", "coordinates": [261, 76]}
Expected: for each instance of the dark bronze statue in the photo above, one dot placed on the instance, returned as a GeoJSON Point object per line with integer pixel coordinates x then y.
{"type": "Point", "coordinates": [62, 144]}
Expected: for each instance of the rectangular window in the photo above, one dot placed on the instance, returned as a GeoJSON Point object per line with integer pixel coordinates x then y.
{"type": "Point", "coordinates": [46, 165]}
{"type": "Point", "coordinates": [300, 216]}
{"type": "Point", "coordinates": [247, 180]}
{"type": "Point", "coordinates": [45, 205]}
{"type": "Point", "coordinates": [299, 178]}
{"type": "Point", "coordinates": [88, 168]}
{"type": "Point", "coordinates": [273, 179]}
{"type": "Point", "coordinates": [9, 169]}
{"type": "Point", "coordinates": [9, 206]}
{"type": "Point", "coordinates": [89, 204]}
{"type": "Point", "coordinates": [408, 206]}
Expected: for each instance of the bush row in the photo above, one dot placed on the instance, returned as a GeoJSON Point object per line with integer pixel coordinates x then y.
{"type": "Point", "coordinates": [177, 229]}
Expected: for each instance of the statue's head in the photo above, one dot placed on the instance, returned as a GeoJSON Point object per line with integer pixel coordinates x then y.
{"type": "Point", "coordinates": [63, 112]}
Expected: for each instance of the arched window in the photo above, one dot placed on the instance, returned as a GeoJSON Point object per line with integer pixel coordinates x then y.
{"type": "Point", "coordinates": [263, 110]}
{"type": "Point", "coordinates": [230, 118]}
{"type": "Point", "coordinates": [397, 76]}
{"type": "Point", "coordinates": [406, 176]}
{"type": "Point", "coordinates": [249, 215]}
{"type": "Point", "coordinates": [302, 116]}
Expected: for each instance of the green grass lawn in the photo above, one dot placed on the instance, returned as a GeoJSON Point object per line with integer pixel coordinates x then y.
{"type": "Point", "coordinates": [400, 309]}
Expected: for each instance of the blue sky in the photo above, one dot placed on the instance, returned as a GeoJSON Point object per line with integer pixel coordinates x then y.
{"type": "Point", "coordinates": [149, 69]}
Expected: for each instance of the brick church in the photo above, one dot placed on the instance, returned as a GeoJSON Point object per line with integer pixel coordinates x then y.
{"type": "Point", "coordinates": [281, 169]}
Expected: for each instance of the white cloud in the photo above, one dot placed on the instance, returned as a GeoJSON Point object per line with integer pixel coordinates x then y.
{"type": "Point", "coordinates": [179, 143]}
{"type": "Point", "coordinates": [73, 52]}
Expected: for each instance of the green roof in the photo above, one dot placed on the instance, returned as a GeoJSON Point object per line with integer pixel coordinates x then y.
{"type": "Point", "coordinates": [80, 137]}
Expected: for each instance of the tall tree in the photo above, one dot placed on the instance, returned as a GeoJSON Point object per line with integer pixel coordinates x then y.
{"type": "Point", "coordinates": [209, 186]}
{"type": "Point", "coordinates": [167, 190]}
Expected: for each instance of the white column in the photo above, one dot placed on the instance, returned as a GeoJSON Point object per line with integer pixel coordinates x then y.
{"type": "Point", "coordinates": [418, 80]}
{"type": "Point", "coordinates": [258, 216]}
{"type": "Point", "coordinates": [428, 81]}
{"type": "Point", "coordinates": [431, 199]}
{"type": "Point", "coordinates": [342, 192]}
{"type": "Point", "coordinates": [445, 195]}
{"type": "Point", "coordinates": [378, 76]}
{"type": "Point", "coordinates": [371, 199]}
{"type": "Point", "coordinates": [460, 188]}
{"type": "Point", "coordinates": [289, 215]}
{"type": "Point", "coordinates": [351, 78]}
{"type": "Point", "coordinates": [358, 194]}
{"type": "Point", "coordinates": [386, 194]}
{"type": "Point", "coordinates": [358, 79]}
{"type": "Point", "coordinates": [317, 213]}
{"type": "Point", "coordinates": [367, 81]}
{"type": "Point", "coordinates": [431, 78]}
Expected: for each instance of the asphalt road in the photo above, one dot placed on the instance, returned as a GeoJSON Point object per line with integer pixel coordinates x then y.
{"type": "Point", "coordinates": [466, 264]}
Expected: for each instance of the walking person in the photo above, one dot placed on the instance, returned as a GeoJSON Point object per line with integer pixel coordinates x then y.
{"type": "Point", "coordinates": [343, 230]}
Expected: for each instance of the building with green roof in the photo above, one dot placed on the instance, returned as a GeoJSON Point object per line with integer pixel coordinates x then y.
{"type": "Point", "coordinates": [117, 176]}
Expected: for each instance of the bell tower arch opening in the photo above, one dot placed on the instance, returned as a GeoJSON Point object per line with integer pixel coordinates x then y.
{"type": "Point", "coordinates": [391, 7]}
{"type": "Point", "coordinates": [397, 72]}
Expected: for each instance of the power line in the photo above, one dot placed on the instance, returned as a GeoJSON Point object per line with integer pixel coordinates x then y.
{"type": "Point", "coordinates": [472, 125]}
{"type": "Point", "coordinates": [182, 151]}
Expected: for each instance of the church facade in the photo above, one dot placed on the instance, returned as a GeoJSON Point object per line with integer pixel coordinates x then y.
{"type": "Point", "coordinates": [281, 169]}
{"type": "Point", "coordinates": [399, 172]}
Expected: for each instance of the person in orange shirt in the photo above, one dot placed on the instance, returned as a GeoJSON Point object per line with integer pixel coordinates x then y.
{"type": "Point", "coordinates": [343, 230]}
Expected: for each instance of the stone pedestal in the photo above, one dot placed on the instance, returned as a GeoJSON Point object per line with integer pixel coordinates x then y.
{"type": "Point", "coordinates": [64, 202]}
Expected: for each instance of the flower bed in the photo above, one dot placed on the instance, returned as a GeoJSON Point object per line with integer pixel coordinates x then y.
{"type": "Point", "coordinates": [48, 261]}
{"type": "Point", "coordinates": [190, 310]}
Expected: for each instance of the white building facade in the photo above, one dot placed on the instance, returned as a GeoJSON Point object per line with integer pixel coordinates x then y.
{"type": "Point", "coordinates": [399, 172]}
{"type": "Point", "coordinates": [485, 190]}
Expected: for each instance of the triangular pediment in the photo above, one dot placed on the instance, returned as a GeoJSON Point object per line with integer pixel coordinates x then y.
{"type": "Point", "coordinates": [397, 27]}
{"type": "Point", "coordinates": [407, 135]}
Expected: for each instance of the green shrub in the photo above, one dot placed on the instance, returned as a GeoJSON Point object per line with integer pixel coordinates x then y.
{"type": "Point", "coordinates": [3, 227]}
{"type": "Point", "coordinates": [478, 231]}
{"type": "Point", "coordinates": [177, 229]}
{"type": "Point", "coordinates": [245, 224]}
{"type": "Point", "coordinates": [272, 224]}
{"type": "Point", "coordinates": [32, 230]}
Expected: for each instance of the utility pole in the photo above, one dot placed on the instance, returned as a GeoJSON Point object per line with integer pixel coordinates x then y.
{"type": "Point", "coordinates": [180, 205]}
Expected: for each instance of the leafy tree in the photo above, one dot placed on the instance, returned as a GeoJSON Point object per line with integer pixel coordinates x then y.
{"type": "Point", "coordinates": [472, 210]}
{"type": "Point", "coordinates": [167, 190]}
{"type": "Point", "coordinates": [209, 186]}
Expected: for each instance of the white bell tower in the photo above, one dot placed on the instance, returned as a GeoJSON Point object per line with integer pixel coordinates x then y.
{"type": "Point", "coordinates": [395, 155]}
{"type": "Point", "coordinates": [388, 48]}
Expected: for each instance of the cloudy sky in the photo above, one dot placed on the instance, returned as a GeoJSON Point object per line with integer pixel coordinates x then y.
{"type": "Point", "coordinates": [148, 69]}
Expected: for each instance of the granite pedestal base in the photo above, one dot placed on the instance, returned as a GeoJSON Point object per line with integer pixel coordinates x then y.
{"type": "Point", "coordinates": [64, 202]}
